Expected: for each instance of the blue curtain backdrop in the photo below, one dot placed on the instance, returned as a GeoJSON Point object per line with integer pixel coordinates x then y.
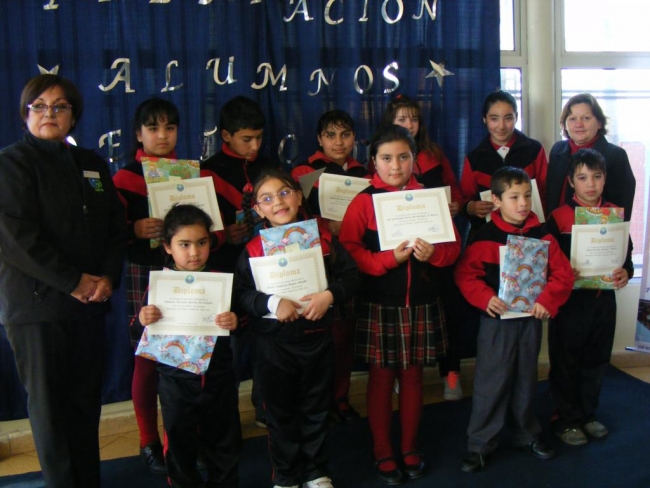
{"type": "Point", "coordinates": [121, 52]}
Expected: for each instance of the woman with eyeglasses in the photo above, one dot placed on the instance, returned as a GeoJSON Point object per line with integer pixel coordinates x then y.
{"type": "Point", "coordinates": [61, 250]}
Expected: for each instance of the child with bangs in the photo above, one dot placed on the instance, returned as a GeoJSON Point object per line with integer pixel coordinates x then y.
{"type": "Point", "coordinates": [401, 321]}
{"type": "Point", "coordinates": [155, 127]}
{"type": "Point", "coordinates": [433, 170]}
{"type": "Point", "coordinates": [294, 348]}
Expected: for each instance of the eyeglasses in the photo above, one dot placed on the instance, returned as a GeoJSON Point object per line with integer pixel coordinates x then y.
{"type": "Point", "coordinates": [269, 199]}
{"type": "Point", "coordinates": [39, 108]}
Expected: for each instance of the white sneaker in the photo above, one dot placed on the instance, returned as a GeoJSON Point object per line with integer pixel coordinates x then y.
{"type": "Point", "coordinates": [323, 482]}
{"type": "Point", "coordinates": [292, 486]}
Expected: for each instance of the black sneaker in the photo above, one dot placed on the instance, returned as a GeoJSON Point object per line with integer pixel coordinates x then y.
{"type": "Point", "coordinates": [152, 456]}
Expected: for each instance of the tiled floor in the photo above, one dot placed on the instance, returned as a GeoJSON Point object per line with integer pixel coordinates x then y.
{"type": "Point", "coordinates": [119, 435]}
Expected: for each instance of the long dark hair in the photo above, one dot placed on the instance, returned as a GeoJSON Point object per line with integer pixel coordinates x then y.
{"type": "Point", "coordinates": [152, 111]}
{"type": "Point", "coordinates": [413, 109]}
{"type": "Point", "coordinates": [182, 215]}
{"type": "Point", "coordinates": [499, 96]}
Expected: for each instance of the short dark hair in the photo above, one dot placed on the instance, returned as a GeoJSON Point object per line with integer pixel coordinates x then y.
{"type": "Point", "coordinates": [590, 158]}
{"type": "Point", "coordinates": [181, 215]}
{"type": "Point", "coordinates": [334, 118]}
{"type": "Point", "coordinates": [589, 99]}
{"type": "Point", "coordinates": [498, 96]}
{"type": "Point", "coordinates": [505, 177]}
{"type": "Point", "coordinates": [391, 133]}
{"type": "Point", "coordinates": [41, 83]}
{"type": "Point", "coordinates": [241, 113]}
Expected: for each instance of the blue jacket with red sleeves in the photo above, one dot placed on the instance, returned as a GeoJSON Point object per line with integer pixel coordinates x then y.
{"type": "Point", "coordinates": [385, 281]}
{"type": "Point", "coordinates": [478, 273]}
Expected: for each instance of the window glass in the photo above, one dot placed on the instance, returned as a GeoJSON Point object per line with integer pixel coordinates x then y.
{"type": "Point", "coordinates": [624, 97]}
{"type": "Point", "coordinates": [606, 25]}
{"type": "Point", "coordinates": [511, 82]}
{"type": "Point", "coordinates": [507, 14]}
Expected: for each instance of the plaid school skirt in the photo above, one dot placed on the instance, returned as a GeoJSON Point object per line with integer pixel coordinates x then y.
{"type": "Point", "coordinates": [137, 281]}
{"type": "Point", "coordinates": [400, 336]}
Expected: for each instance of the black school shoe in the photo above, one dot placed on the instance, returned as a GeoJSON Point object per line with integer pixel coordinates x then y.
{"type": "Point", "coordinates": [393, 477]}
{"type": "Point", "coordinates": [152, 457]}
{"type": "Point", "coordinates": [539, 449]}
{"type": "Point", "coordinates": [344, 412]}
{"type": "Point", "coordinates": [474, 463]}
{"type": "Point", "coordinates": [414, 471]}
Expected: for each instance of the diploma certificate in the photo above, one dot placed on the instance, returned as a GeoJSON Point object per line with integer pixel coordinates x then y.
{"type": "Point", "coordinates": [290, 276]}
{"type": "Point", "coordinates": [189, 301]}
{"type": "Point", "coordinates": [406, 215]}
{"type": "Point", "coordinates": [197, 191]}
{"type": "Point", "coordinates": [335, 192]}
{"type": "Point", "coordinates": [599, 249]}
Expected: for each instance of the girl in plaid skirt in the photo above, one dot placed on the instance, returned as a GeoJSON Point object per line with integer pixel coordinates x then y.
{"type": "Point", "coordinates": [401, 321]}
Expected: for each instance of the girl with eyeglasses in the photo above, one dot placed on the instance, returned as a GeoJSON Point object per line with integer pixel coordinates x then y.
{"type": "Point", "coordinates": [294, 350]}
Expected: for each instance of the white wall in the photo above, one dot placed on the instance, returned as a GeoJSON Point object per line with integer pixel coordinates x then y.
{"type": "Point", "coordinates": [538, 58]}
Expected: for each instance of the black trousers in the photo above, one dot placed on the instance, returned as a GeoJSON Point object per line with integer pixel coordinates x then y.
{"type": "Point", "coordinates": [580, 341]}
{"type": "Point", "coordinates": [451, 301]}
{"type": "Point", "coordinates": [505, 382]}
{"type": "Point", "coordinates": [202, 412]}
{"type": "Point", "coordinates": [296, 386]}
{"type": "Point", "coordinates": [61, 364]}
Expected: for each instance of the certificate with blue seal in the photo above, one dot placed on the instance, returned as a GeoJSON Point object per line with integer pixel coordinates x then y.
{"type": "Point", "coordinates": [335, 192]}
{"type": "Point", "coordinates": [189, 301]}
{"type": "Point", "coordinates": [406, 215]}
{"type": "Point", "coordinates": [291, 276]}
